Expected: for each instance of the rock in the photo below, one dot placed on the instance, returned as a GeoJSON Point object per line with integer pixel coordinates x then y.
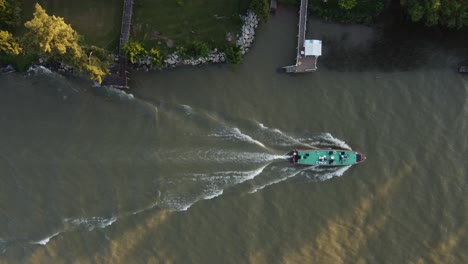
{"type": "Point", "coordinates": [169, 43]}
{"type": "Point", "coordinates": [9, 68]}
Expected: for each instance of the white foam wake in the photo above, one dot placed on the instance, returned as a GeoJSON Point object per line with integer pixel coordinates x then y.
{"type": "Point", "coordinates": [45, 240]}
{"type": "Point", "coordinates": [283, 178]}
{"type": "Point", "coordinates": [235, 133]}
{"type": "Point", "coordinates": [232, 177]}
{"type": "Point", "coordinates": [217, 181]}
{"type": "Point", "coordinates": [338, 173]}
{"type": "Point", "coordinates": [285, 138]}
{"type": "Point", "coordinates": [328, 140]}
{"type": "Point", "coordinates": [188, 109]}
{"type": "Point", "coordinates": [217, 155]}
{"type": "Point", "coordinates": [91, 222]}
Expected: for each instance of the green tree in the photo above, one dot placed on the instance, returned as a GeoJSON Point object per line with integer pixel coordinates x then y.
{"type": "Point", "coordinates": [53, 39]}
{"type": "Point", "coordinates": [9, 44]}
{"type": "Point", "coordinates": [261, 8]}
{"type": "Point", "coordinates": [134, 50]}
{"type": "Point", "coordinates": [10, 13]}
{"type": "Point", "coordinates": [347, 4]}
{"type": "Point", "coordinates": [51, 36]}
{"type": "Point", "coordinates": [197, 49]}
{"type": "Point", "coordinates": [233, 54]}
{"type": "Point", "coordinates": [448, 13]}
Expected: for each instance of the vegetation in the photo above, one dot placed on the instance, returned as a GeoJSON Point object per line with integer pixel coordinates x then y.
{"type": "Point", "coordinates": [53, 39]}
{"type": "Point", "coordinates": [347, 11]}
{"type": "Point", "coordinates": [233, 54]}
{"type": "Point", "coordinates": [197, 49]}
{"type": "Point", "coordinates": [134, 50]}
{"type": "Point", "coordinates": [9, 44]}
{"type": "Point", "coordinates": [448, 13]}
{"type": "Point", "coordinates": [156, 21]}
{"type": "Point", "coordinates": [347, 4]}
{"type": "Point", "coordinates": [10, 13]}
{"type": "Point", "coordinates": [98, 22]}
{"type": "Point", "coordinates": [261, 8]}
{"type": "Point", "coordinates": [51, 36]}
{"type": "Point", "coordinates": [157, 58]}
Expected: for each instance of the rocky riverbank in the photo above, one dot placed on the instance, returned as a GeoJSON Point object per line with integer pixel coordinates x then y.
{"type": "Point", "coordinates": [244, 41]}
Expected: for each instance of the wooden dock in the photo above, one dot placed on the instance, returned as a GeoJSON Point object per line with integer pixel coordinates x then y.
{"type": "Point", "coordinates": [304, 62]}
{"type": "Point", "coordinates": [118, 78]}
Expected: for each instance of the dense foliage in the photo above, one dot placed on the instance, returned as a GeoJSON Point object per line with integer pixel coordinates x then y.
{"type": "Point", "coordinates": [449, 13]}
{"type": "Point", "coordinates": [197, 49]}
{"type": "Point", "coordinates": [10, 13]}
{"type": "Point", "coordinates": [347, 11]}
{"type": "Point", "coordinates": [9, 44]}
{"type": "Point", "coordinates": [233, 54]}
{"type": "Point", "coordinates": [261, 8]}
{"type": "Point", "coordinates": [194, 49]}
{"type": "Point", "coordinates": [134, 50]}
{"type": "Point", "coordinates": [50, 35]}
{"type": "Point", "coordinates": [53, 39]}
{"type": "Point", "coordinates": [157, 58]}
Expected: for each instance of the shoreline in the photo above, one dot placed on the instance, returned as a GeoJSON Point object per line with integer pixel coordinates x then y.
{"type": "Point", "coordinates": [173, 60]}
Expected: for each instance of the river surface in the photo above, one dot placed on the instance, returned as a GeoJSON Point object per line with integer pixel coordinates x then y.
{"type": "Point", "coordinates": [190, 168]}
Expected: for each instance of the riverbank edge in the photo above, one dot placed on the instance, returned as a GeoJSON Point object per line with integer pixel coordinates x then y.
{"type": "Point", "coordinates": [244, 41]}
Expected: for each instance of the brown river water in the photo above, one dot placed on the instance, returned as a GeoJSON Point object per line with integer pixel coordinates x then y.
{"type": "Point", "coordinates": [190, 168]}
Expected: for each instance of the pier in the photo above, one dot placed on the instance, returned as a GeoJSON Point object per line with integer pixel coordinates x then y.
{"type": "Point", "coordinates": [308, 50]}
{"type": "Point", "coordinates": [118, 78]}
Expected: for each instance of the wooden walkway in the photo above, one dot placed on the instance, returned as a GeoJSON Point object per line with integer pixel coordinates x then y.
{"type": "Point", "coordinates": [303, 63]}
{"type": "Point", "coordinates": [118, 77]}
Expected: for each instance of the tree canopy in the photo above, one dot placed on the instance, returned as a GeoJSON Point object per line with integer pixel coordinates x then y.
{"type": "Point", "coordinates": [51, 37]}
{"type": "Point", "coordinates": [449, 13]}
{"type": "Point", "coordinates": [9, 44]}
{"type": "Point", "coordinates": [10, 13]}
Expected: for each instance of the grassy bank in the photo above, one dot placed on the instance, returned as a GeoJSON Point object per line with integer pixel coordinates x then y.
{"type": "Point", "coordinates": [186, 20]}
{"type": "Point", "coordinates": [97, 21]}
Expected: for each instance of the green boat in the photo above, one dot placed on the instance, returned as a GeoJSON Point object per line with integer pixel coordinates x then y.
{"type": "Point", "coordinates": [325, 157]}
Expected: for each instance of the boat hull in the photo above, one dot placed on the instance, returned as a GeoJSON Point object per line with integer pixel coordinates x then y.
{"type": "Point", "coordinates": [325, 157]}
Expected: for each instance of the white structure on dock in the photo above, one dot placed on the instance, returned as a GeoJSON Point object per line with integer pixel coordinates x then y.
{"type": "Point", "coordinates": [312, 47]}
{"type": "Point", "coordinates": [308, 50]}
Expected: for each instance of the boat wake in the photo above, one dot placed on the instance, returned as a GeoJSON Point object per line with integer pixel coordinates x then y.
{"type": "Point", "coordinates": [205, 173]}
{"type": "Point", "coordinates": [235, 156]}
{"type": "Point", "coordinates": [235, 133]}
{"type": "Point", "coordinates": [46, 240]}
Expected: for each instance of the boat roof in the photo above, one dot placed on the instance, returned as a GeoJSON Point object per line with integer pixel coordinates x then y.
{"type": "Point", "coordinates": [323, 157]}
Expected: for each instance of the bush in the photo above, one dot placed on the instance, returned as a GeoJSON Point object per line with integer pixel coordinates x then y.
{"type": "Point", "coordinates": [347, 11]}
{"type": "Point", "coordinates": [233, 54]}
{"type": "Point", "coordinates": [261, 8]}
{"type": "Point", "coordinates": [157, 58]}
{"type": "Point", "coordinates": [134, 50]}
{"type": "Point", "coordinates": [10, 13]}
{"type": "Point", "coordinates": [197, 49]}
